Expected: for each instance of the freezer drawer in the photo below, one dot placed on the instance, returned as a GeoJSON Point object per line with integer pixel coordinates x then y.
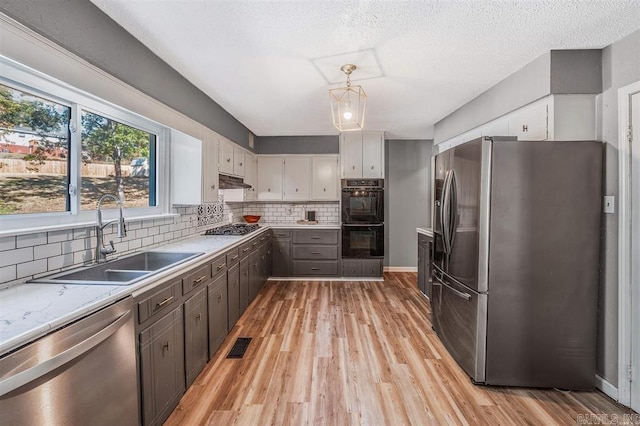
{"type": "Point", "coordinates": [459, 317]}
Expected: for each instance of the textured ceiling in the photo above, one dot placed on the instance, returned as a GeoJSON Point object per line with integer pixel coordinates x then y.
{"type": "Point", "coordinates": [263, 61]}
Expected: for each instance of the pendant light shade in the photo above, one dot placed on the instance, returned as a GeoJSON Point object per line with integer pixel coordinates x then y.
{"type": "Point", "coordinates": [348, 104]}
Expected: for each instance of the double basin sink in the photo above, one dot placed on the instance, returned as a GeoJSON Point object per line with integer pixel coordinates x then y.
{"type": "Point", "coordinates": [123, 271]}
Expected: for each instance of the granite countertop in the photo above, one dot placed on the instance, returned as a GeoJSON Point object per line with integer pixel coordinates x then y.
{"type": "Point", "coordinates": [31, 310]}
{"type": "Point", "coordinates": [426, 231]}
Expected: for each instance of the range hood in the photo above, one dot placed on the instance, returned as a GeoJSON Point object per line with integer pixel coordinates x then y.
{"type": "Point", "coordinates": [232, 182]}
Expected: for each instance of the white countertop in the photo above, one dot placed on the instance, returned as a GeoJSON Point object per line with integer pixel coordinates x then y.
{"type": "Point", "coordinates": [31, 310]}
{"type": "Point", "coordinates": [425, 231]}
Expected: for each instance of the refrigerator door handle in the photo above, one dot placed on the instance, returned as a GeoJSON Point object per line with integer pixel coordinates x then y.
{"type": "Point", "coordinates": [444, 212]}
{"type": "Point", "coordinates": [458, 293]}
{"type": "Point", "coordinates": [453, 209]}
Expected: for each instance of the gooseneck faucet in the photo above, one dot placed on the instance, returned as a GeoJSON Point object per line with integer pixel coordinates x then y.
{"type": "Point", "coordinates": [101, 250]}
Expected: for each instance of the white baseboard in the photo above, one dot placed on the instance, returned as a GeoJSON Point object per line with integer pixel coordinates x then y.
{"type": "Point", "coordinates": [606, 387]}
{"type": "Point", "coordinates": [401, 269]}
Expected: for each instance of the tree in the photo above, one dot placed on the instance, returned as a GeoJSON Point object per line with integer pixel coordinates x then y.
{"type": "Point", "coordinates": [109, 140]}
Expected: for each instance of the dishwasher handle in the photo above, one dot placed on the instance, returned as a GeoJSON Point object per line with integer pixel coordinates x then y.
{"type": "Point", "coordinates": [20, 379]}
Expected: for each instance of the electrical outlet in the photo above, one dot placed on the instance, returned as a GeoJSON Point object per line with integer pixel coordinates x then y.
{"type": "Point", "coordinates": [609, 204]}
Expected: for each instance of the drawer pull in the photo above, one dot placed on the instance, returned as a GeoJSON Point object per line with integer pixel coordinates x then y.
{"type": "Point", "coordinates": [164, 302]}
{"type": "Point", "coordinates": [315, 238]}
{"type": "Point", "coordinates": [220, 266]}
{"type": "Point", "coordinates": [199, 280]}
{"type": "Point", "coordinates": [235, 257]}
{"type": "Point", "coordinates": [314, 252]}
{"type": "Point", "coordinates": [246, 250]}
{"type": "Point", "coordinates": [315, 269]}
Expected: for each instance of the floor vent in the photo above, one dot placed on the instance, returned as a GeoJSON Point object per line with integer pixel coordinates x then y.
{"type": "Point", "coordinates": [239, 348]}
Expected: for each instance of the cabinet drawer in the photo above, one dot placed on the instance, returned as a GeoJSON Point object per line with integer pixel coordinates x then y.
{"type": "Point", "coordinates": [311, 268]}
{"type": "Point", "coordinates": [423, 239]}
{"type": "Point", "coordinates": [197, 278]}
{"type": "Point", "coordinates": [245, 249]}
{"type": "Point", "coordinates": [282, 233]}
{"type": "Point", "coordinates": [219, 266]}
{"type": "Point", "coordinates": [321, 236]}
{"type": "Point", "coordinates": [159, 301]}
{"type": "Point", "coordinates": [309, 252]}
{"type": "Point", "coordinates": [233, 257]}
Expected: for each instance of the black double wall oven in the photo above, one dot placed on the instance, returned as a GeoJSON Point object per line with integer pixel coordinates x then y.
{"type": "Point", "coordinates": [362, 203]}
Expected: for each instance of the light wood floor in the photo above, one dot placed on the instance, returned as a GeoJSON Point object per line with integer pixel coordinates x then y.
{"type": "Point", "coordinates": [340, 353]}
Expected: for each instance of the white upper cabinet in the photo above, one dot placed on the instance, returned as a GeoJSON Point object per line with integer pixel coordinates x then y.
{"type": "Point", "coordinates": [210, 167]}
{"type": "Point", "coordinates": [351, 153]}
{"type": "Point", "coordinates": [251, 176]}
{"type": "Point", "coordinates": [297, 178]}
{"type": "Point", "coordinates": [226, 156]}
{"type": "Point", "coordinates": [362, 154]}
{"type": "Point", "coordinates": [324, 178]}
{"type": "Point", "coordinates": [270, 178]}
{"type": "Point", "coordinates": [238, 162]}
{"type": "Point", "coordinates": [194, 168]}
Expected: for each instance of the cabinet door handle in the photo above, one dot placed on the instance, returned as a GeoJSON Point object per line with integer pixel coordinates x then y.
{"type": "Point", "coordinates": [166, 346]}
{"type": "Point", "coordinates": [228, 160]}
{"type": "Point", "coordinates": [220, 297]}
{"type": "Point", "coordinates": [213, 187]}
{"type": "Point", "coordinates": [324, 189]}
{"type": "Point", "coordinates": [353, 167]}
{"type": "Point", "coordinates": [199, 280]}
{"type": "Point", "coordinates": [199, 316]}
{"type": "Point", "coordinates": [164, 302]}
{"type": "Point", "coordinates": [268, 189]}
{"type": "Point", "coordinates": [372, 167]}
{"type": "Point", "coordinates": [240, 164]}
{"type": "Point", "coordinates": [525, 128]}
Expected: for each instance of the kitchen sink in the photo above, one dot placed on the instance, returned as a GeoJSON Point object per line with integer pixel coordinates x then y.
{"type": "Point", "coordinates": [123, 271]}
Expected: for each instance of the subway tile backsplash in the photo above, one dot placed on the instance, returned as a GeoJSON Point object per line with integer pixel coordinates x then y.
{"type": "Point", "coordinates": [34, 255]}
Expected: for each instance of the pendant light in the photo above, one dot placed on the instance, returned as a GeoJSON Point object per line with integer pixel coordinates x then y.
{"type": "Point", "coordinates": [348, 104]}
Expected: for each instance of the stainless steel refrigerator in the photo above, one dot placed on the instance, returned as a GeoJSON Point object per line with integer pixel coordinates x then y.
{"type": "Point", "coordinates": [516, 260]}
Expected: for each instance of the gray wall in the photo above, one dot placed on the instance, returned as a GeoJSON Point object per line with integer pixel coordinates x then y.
{"type": "Point", "coordinates": [82, 28]}
{"type": "Point", "coordinates": [407, 198]}
{"type": "Point", "coordinates": [297, 144]}
{"type": "Point", "coordinates": [558, 71]}
{"type": "Point", "coordinates": [621, 66]}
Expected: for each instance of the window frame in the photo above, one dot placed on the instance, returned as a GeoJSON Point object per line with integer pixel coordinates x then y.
{"type": "Point", "coordinates": [23, 78]}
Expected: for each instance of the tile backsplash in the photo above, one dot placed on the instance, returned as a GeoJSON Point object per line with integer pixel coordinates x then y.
{"type": "Point", "coordinates": [28, 256]}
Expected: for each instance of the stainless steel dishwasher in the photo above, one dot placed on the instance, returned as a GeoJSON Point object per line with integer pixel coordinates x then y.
{"type": "Point", "coordinates": [84, 373]}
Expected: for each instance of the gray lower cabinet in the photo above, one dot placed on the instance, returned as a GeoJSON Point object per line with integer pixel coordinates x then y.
{"type": "Point", "coordinates": [424, 264]}
{"type": "Point", "coordinates": [315, 252]}
{"type": "Point", "coordinates": [233, 290]}
{"type": "Point", "coordinates": [362, 268]}
{"type": "Point", "coordinates": [254, 274]}
{"type": "Point", "coordinates": [218, 312]}
{"type": "Point", "coordinates": [281, 260]}
{"type": "Point", "coordinates": [244, 284]}
{"type": "Point", "coordinates": [196, 337]}
{"type": "Point", "coordinates": [162, 367]}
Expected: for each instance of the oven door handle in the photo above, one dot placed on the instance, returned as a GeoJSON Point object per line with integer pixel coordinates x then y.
{"type": "Point", "coordinates": [363, 225]}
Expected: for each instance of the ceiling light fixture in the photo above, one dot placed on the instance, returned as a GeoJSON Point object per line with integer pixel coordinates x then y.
{"type": "Point", "coordinates": [348, 104]}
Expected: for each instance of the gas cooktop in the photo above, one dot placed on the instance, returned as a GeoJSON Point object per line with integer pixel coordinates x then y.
{"type": "Point", "coordinates": [233, 229]}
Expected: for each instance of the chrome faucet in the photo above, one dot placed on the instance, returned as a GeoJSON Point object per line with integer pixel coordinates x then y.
{"type": "Point", "coordinates": [101, 250]}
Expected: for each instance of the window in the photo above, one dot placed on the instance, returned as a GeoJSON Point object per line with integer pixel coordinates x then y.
{"type": "Point", "coordinates": [62, 149]}
{"type": "Point", "coordinates": [34, 169]}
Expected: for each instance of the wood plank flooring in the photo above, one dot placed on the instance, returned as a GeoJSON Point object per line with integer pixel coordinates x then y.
{"type": "Point", "coordinates": [351, 353]}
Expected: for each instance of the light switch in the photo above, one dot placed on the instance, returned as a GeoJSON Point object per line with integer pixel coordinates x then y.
{"type": "Point", "coordinates": [609, 204]}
